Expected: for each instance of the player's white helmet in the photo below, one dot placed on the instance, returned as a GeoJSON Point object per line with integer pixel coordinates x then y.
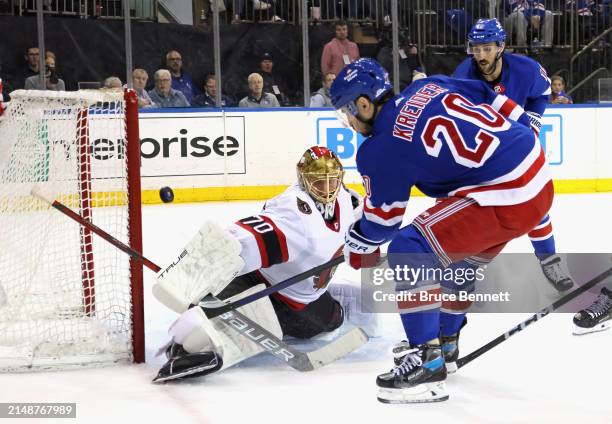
{"type": "Point", "coordinates": [320, 173]}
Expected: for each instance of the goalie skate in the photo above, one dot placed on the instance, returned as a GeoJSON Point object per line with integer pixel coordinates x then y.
{"type": "Point", "coordinates": [182, 364]}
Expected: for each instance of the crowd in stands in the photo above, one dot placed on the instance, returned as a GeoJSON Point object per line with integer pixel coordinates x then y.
{"type": "Point", "coordinates": [174, 86]}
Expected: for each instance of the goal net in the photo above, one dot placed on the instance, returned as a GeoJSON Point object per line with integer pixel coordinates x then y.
{"type": "Point", "coordinates": [67, 297]}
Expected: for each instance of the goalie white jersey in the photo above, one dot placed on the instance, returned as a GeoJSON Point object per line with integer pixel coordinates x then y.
{"type": "Point", "coordinates": [290, 236]}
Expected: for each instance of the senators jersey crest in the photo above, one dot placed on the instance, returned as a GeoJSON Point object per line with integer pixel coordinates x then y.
{"type": "Point", "coordinates": [322, 280]}
{"type": "Point", "coordinates": [303, 206]}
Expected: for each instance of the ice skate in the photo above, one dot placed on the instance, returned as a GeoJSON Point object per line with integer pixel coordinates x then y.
{"type": "Point", "coordinates": [597, 317]}
{"type": "Point", "coordinates": [450, 349]}
{"type": "Point", "coordinates": [417, 377]}
{"type": "Point", "coordinates": [556, 274]}
{"type": "Point", "coordinates": [182, 364]}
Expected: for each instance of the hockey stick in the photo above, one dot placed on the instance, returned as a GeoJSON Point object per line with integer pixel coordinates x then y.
{"type": "Point", "coordinates": [301, 361]}
{"type": "Point", "coordinates": [537, 316]}
{"type": "Point", "coordinates": [211, 307]}
{"type": "Point", "coordinates": [296, 359]}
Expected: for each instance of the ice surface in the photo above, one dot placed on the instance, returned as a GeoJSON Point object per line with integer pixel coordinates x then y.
{"type": "Point", "coordinates": [542, 375]}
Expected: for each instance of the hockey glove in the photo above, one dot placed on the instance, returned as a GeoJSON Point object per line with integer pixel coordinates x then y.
{"type": "Point", "coordinates": [357, 202]}
{"type": "Point", "coordinates": [359, 251]}
{"type": "Point", "coordinates": [535, 120]}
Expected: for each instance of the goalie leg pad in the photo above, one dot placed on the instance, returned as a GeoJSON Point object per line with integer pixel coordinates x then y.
{"type": "Point", "coordinates": [207, 264]}
{"type": "Point", "coordinates": [236, 346]}
{"type": "Point", "coordinates": [356, 312]}
{"type": "Point", "coordinates": [196, 333]}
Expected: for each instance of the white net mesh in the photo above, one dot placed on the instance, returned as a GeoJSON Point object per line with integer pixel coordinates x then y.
{"type": "Point", "coordinates": [64, 292]}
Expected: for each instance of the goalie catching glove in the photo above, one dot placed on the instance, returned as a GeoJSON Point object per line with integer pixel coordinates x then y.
{"type": "Point", "coordinates": [207, 264]}
{"type": "Point", "coordinates": [359, 251]}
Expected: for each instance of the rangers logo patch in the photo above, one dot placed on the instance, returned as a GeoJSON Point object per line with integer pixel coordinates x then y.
{"type": "Point", "coordinates": [499, 89]}
{"type": "Point", "coordinates": [303, 206]}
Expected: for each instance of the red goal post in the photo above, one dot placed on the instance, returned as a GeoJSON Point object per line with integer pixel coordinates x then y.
{"type": "Point", "coordinates": [66, 298]}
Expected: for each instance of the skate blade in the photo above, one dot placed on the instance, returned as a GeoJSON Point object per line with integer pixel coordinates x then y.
{"type": "Point", "coordinates": [451, 367]}
{"type": "Point", "coordinates": [580, 331]}
{"type": "Point", "coordinates": [185, 374]}
{"type": "Point", "coordinates": [423, 393]}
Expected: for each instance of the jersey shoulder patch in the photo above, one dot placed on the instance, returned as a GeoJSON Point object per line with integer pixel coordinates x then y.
{"type": "Point", "coordinates": [303, 207]}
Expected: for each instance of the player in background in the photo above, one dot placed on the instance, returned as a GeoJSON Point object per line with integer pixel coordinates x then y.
{"type": "Point", "coordinates": [299, 229]}
{"type": "Point", "coordinates": [452, 140]}
{"type": "Point", "coordinates": [525, 81]}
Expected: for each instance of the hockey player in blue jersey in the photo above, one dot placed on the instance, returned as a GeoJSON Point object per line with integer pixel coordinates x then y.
{"type": "Point", "coordinates": [525, 81]}
{"type": "Point", "coordinates": [455, 140]}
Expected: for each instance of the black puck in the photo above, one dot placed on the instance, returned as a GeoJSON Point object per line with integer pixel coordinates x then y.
{"type": "Point", "coordinates": [166, 194]}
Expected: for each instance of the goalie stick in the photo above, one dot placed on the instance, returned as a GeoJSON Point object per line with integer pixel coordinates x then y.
{"type": "Point", "coordinates": [535, 317]}
{"type": "Point", "coordinates": [301, 361]}
{"type": "Point", "coordinates": [215, 307]}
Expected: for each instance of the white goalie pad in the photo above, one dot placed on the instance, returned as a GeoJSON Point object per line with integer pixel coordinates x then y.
{"type": "Point", "coordinates": [207, 264]}
{"type": "Point", "coordinates": [356, 312]}
{"type": "Point", "coordinates": [197, 333]}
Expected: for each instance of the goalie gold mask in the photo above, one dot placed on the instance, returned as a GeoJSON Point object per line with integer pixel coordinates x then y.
{"type": "Point", "coordinates": [320, 173]}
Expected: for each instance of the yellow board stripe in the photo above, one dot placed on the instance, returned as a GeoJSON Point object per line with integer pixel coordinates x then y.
{"type": "Point", "coordinates": [188, 195]}
{"type": "Point", "coordinates": [208, 194]}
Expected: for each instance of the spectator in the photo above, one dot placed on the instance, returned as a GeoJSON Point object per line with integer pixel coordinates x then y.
{"type": "Point", "coordinates": [268, 6]}
{"type": "Point", "coordinates": [181, 80]}
{"type": "Point", "coordinates": [209, 97]}
{"type": "Point", "coordinates": [52, 81]}
{"type": "Point", "coordinates": [321, 97]}
{"type": "Point", "coordinates": [272, 84]}
{"type": "Point", "coordinates": [257, 97]}
{"type": "Point", "coordinates": [139, 81]}
{"type": "Point", "coordinates": [592, 19]}
{"type": "Point", "coordinates": [163, 95]}
{"type": "Point", "coordinates": [32, 58]}
{"type": "Point", "coordinates": [339, 52]}
{"type": "Point", "coordinates": [408, 59]}
{"type": "Point", "coordinates": [113, 83]}
{"type": "Point", "coordinates": [558, 96]}
{"type": "Point", "coordinates": [521, 14]}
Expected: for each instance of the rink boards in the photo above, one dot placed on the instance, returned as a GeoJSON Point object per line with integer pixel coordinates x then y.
{"type": "Point", "coordinates": [247, 154]}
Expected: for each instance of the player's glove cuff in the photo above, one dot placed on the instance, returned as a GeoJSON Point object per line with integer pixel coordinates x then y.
{"type": "Point", "coordinates": [359, 251]}
{"type": "Point", "coordinates": [535, 120]}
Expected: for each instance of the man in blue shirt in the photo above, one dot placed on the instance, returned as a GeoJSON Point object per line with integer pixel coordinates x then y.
{"type": "Point", "coordinates": [209, 97]}
{"type": "Point", "coordinates": [181, 80]}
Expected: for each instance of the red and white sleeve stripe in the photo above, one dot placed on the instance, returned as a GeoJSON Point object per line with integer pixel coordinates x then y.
{"type": "Point", "coordinates": [507, 107]}
{"type": "Point", "coordinates": [386, 214]}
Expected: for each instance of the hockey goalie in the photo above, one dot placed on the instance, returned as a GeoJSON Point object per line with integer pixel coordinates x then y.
{"type": "Point", "coordinates": [299, 229]}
